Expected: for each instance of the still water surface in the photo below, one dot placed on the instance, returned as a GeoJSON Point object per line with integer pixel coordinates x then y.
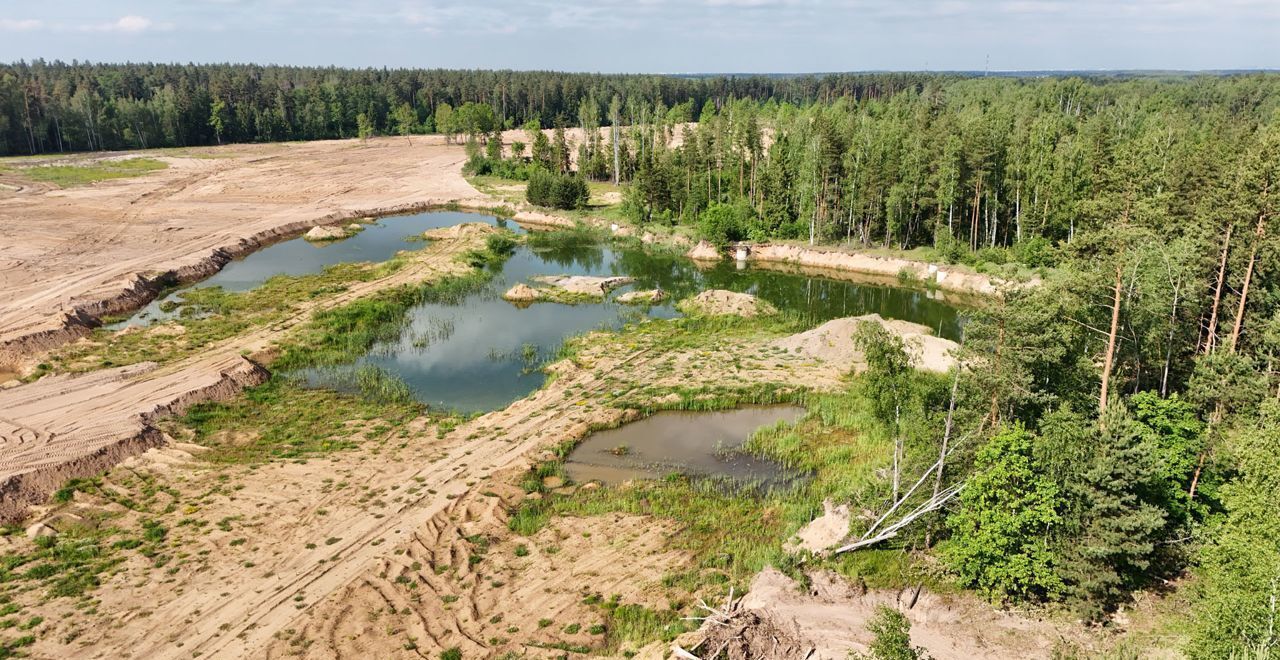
{"type": "Point", "coordinates": [482, 353]}
{"type": "Point", "coordinates": [696, 444]}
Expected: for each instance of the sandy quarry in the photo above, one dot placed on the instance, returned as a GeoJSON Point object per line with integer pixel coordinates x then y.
{"type": "Point", "coordinates": [325, 568]}
{"type": "Point", "coordinates": [67, 426]}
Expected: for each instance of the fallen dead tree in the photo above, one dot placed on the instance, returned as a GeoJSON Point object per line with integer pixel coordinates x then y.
{"type": "Point", "coordinates": [940, 497]}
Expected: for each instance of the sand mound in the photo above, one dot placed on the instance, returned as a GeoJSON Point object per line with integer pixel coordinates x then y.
{"type": "Point", "coordinates": [822, 532]}
{"type": "Point", "coordinates": [459, 231]}
{"type": "Point", "coordinates": [704, 251]}
{"type": "Point", "coordinates": [714, 302]}
{"type": "Point", "coordinates": [650, 297]}
{"type": "Point", "coordinates": [584, 284]}
{"type": "Point", "coordinates": [325, 234]}
{"type": "Point", "coordinates": [833, 342]}
{"type": "Point", "coordinates": [521, 293]}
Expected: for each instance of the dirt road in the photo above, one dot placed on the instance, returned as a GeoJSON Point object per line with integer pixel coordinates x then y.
{"type": "Point", "coordinates": [68, 255]}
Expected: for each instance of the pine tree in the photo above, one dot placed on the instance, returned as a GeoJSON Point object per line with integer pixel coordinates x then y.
{"type": "Point", "coordinates": [1107, 549]}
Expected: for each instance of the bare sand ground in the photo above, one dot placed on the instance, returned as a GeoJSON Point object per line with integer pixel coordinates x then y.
{"type": "Point", "coordinates": [401, 548]}
{"type": "Point", "coordinates": [69, 255]}
{"type": "Point", "coordinates": [408, 512]}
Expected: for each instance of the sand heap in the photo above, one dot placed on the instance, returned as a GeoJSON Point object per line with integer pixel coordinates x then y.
{"type": "Point", "coordinates": [459, 231]}
{"type": "Point", "coordinates": [521, 293]}
{"type": "Point", "coordinates": [648, 297]}
{"type": "Point", "coordinates": [715, 302]}
{"type": "Point", "coordinates": [318, 234]}
{"type": "Point", "coordinates": [822, 533]}
{"type": "Point", "coordinates": [566, 289]}
{"type": "Point", "coordinates": [833, 342]}
{"type": "Point", "coordinates": [704, 251]}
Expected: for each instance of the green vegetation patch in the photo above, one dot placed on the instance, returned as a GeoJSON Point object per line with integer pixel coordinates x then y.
{"type": "Point", "coordinates": [77, 175]}
{"type": "Point", "coordinates": [281, 419]}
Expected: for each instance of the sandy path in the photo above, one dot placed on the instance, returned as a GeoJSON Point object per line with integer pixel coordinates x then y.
{"type": "Point", "coordinates": [66, 426]}
{"type": "Point", "coordinates": [90, 250]}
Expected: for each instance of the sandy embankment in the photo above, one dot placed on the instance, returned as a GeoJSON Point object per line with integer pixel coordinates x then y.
{"type": "Point", "coordinates": [61, 427]}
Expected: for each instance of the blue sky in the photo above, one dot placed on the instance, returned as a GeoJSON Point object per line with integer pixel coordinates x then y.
{"type": "Point", "coordinates": [656, 35]}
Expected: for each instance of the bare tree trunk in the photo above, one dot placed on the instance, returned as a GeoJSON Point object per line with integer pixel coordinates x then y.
{"type": "Point", "coordinates": [897, 451]}
{"type": "Point", "coordinates": [946, 433]}
{"type": "Point", "coordinates": [1168, 350]}
{"type": "Point", "coordinates": [1017, 213]}
{"type": "Point", "coordinates": [1248, 277]}
{"type": "Point", "coordinates": [1211, 337]}
{"type": "Point", "coordinates": [1109, 359]}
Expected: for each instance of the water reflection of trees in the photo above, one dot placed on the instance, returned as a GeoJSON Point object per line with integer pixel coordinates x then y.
{"type": "Point", "coordinates": [587, 256]}
{"type": "Point", "coordinates": [816, 299]}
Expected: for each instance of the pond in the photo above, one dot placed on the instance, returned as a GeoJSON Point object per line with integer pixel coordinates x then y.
{"type": "Point", "coordinates": [378, 241]}
{"type": "Point", "coordinates": [483, 352]}
{"type": "Point", "coordinates": [695, 444]}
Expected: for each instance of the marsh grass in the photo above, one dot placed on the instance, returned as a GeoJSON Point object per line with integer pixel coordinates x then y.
{"type": "Point", "coordinates": [211, 314]}
{"type": "Point", "coordinates": [732, 532]}
{"type": "Point", "coordinates": [343, 334]}
{"type": "Point", "coordinates": [280, 419]}
{"type": "Point", "coordinates": [579, 235]}
{"type": "Point", "coordinates": [65, 176]}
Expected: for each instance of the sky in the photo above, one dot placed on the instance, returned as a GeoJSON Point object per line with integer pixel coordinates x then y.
{"type": "Point", "coordinates": [656, 36]}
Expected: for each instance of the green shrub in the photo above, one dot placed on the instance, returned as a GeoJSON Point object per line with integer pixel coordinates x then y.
{"type": "Point", "coordinates": [725, 223]}
{"type": "Point", "coordinates": [561, 191]}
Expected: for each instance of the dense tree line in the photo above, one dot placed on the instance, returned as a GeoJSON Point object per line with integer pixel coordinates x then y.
{"type": "Point", "coordinates": [49, 107]}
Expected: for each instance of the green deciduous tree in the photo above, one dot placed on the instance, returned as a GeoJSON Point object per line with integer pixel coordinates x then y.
{"type": "Point", "coordinates": [1008, 515]}
{"type": "Point", "coordinates": [1237, 614]}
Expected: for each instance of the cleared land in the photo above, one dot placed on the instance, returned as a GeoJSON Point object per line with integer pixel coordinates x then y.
{"type": "Point", "coordinates": [406, 537]}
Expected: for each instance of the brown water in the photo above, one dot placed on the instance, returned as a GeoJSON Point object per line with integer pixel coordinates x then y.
{"type": "Point", "coordinates": [697, 444]}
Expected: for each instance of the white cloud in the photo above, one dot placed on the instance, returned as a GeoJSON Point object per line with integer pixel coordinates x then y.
{"type": "Point", "coordinates": [124, 24]}
{"type": "Point", "coordinates": [20, 25]}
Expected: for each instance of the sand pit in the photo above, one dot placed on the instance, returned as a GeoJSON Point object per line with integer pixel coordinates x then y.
{"type": "Point", "coordinates": [66, 426]}
{"type": "Point", "coordinates": [718, 302]}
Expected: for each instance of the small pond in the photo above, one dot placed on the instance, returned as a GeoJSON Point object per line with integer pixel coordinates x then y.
{"type": "Point", "coordinates": [695, 444]}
